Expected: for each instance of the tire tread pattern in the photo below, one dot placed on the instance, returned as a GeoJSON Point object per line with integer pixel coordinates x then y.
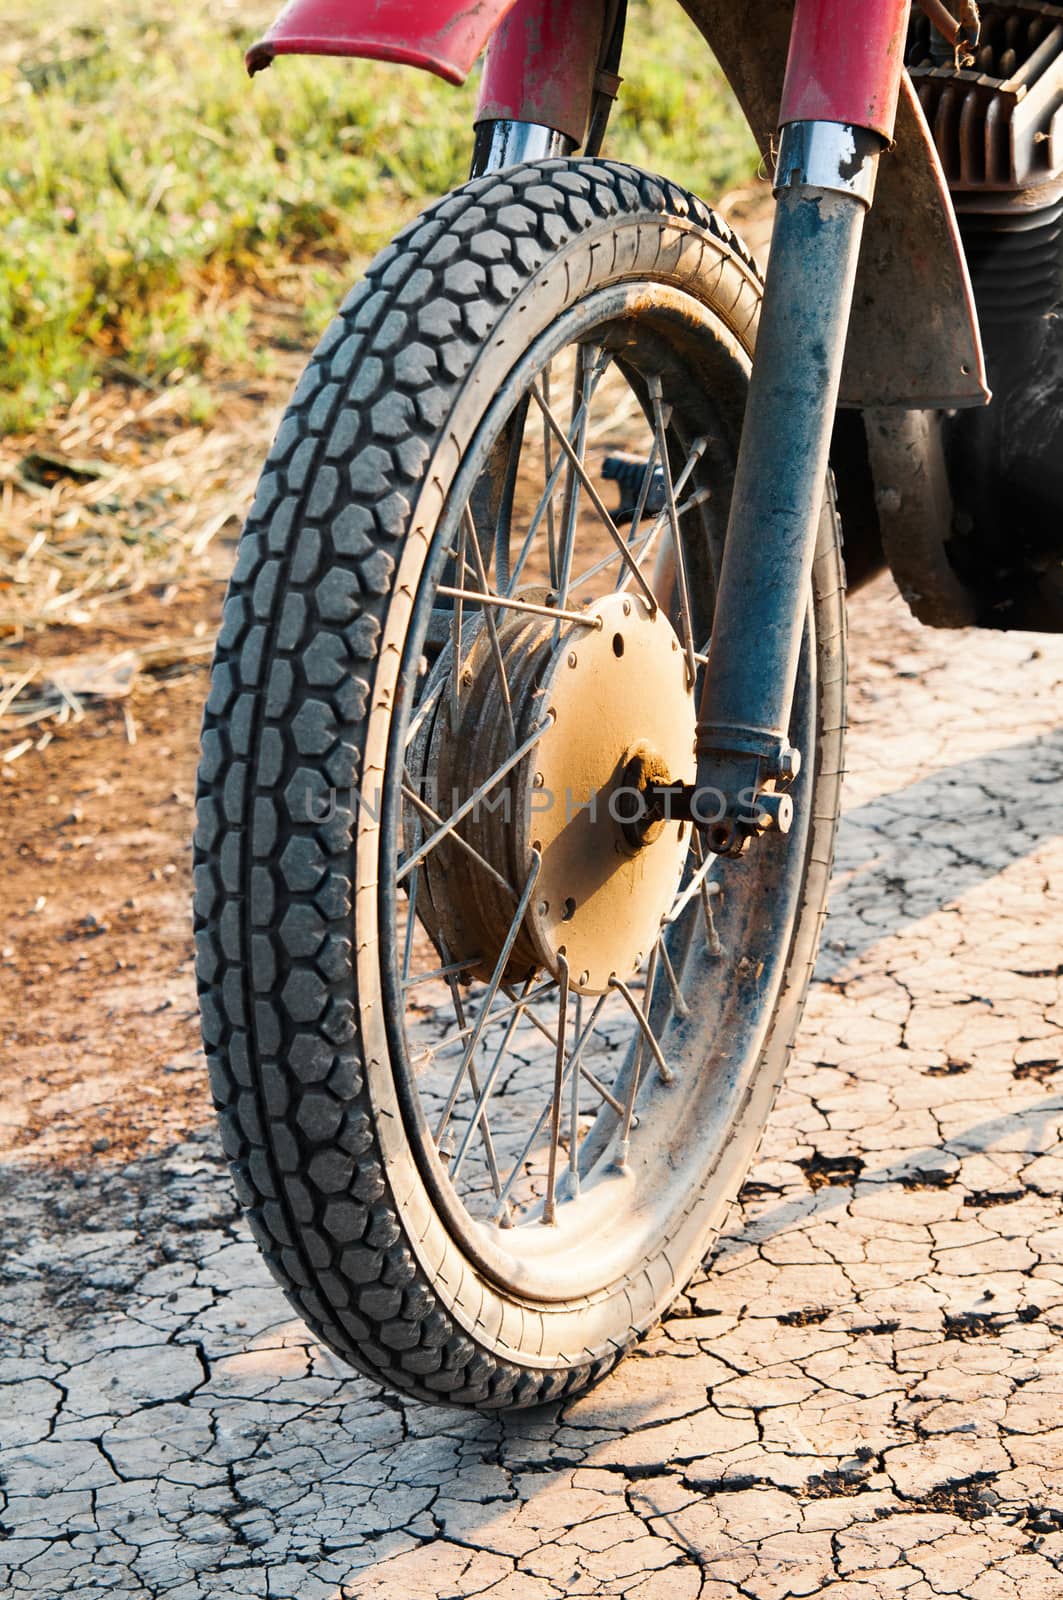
{"type": "Point", "coordinates": [285, 719]}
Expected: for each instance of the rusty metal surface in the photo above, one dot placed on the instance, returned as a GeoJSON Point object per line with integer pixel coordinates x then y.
{"type": "Point", "coordinates": [913, 338]}
{"type": "Point", "coordinates": [999, 123]}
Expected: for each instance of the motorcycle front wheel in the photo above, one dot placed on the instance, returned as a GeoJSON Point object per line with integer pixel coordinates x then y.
{"type": "Point", "coordinates": [492, 1043]}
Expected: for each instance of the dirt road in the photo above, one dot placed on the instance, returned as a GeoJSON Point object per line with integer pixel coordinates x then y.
{"type": "Point", "coordinates": [863, 1397]}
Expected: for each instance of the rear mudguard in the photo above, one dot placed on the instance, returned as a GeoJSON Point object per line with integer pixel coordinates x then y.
{"type": "Point", "coordinates": [913, 339]}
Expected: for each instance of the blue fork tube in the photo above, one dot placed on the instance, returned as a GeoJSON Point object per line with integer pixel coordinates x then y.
{"type": "Point", "coordinates": [824, 183]}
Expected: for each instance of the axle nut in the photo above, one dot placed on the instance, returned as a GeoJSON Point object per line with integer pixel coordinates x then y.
{"type": "Point", "coordinates": [775, 812]}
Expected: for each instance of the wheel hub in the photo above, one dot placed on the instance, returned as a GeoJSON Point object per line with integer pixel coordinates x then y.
{"type": "Point", "coordinates": [616, 714]}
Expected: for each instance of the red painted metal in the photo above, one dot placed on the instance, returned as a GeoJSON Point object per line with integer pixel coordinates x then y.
{"type": "Point", "coordinates": [443, 36]}
{"type": "Point", "coordinates": [845, 63]}
{"type": "Point", "coordinates": [541, 64]}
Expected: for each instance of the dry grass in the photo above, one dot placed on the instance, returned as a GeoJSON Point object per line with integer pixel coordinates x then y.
{"type": "Point", "coordinates": [134, 500]}
{"type": "Point", "coordinates": [129, 497]}
{"type": "Point", "coordinates": [46, 695]}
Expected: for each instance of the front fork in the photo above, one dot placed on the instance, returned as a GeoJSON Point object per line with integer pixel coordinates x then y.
{"type": "Point", "coordinates": [824, 182]}
{"type": "Point", "coordinates": [838, 108]}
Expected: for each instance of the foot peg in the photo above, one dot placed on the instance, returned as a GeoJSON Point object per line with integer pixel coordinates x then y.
{"type": "Point", "coordinates": [630, 474]}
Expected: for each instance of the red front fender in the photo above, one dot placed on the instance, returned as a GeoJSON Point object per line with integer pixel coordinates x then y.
{"type": "Point", "coordinates": [444, 36]}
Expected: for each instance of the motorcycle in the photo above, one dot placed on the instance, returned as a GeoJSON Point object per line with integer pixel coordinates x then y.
{"type": "Point", "coordinates": [516, 810]}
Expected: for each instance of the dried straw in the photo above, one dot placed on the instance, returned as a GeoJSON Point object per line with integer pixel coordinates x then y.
{"type": "Point", "coordinates": [136, 497]}
{"type": "Point", "coordinates": [59, 692]}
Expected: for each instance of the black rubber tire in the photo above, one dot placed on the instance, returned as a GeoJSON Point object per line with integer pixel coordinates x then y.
{"type": "Point", "coordinates": [361, 464]}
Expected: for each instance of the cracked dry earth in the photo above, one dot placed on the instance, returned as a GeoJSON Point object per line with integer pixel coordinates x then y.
{"type": "Point", "coordinates": [863, 1396]}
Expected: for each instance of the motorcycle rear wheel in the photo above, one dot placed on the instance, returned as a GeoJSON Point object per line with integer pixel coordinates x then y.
{"type": "Point", "coordinates": [489, 1072]}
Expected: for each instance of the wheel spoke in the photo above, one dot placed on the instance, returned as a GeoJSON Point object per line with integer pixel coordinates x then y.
{"type": "Point", "coordinates": [573, 1063]}
{"type": "Point", "coordinates": [433, 817]}
{"type": "Point", "coordinates": [483, 1095]}
{"type": "Point", "coordinates": [544, 508]}
{"type": "Point", "coordinates": [667, 1075]}
{"type": "Point", "coordinates": [644, 491]}
{"type": "Point", "coordinates": [430, 1052]}
{"type": "Point", "coordinates": [552, 477]}
{"type": "Point", "coordinates": [645, 548]}
{"type": "Point", "coordinates": [575, 454]}
{"type": "Point", "coordinates": [661, 520]}
{"type": "Point", "coordinates": [448, 827]}
{"type": "Point", "coordinates": [685, 618]}
{"type": "Point", "coordinates": [573, 1124]}
{"type": "Point", "coordinates": [651, 978]}
{"type": "Point", "coordinates": [707, 891]}
{"type": "Point", "coordinates": [549, 1207]}
{"type": "Point", "coordinates": [585, 1072]}
{"type": "Point", "coordinates": [504, 518]}
{"type": "Point", "coordinates": [595, 498]}
{"type": "Point", "coordinates": [685, 895]}
{"type": "Point", "coordinates": [425, 709]}
{"type": "Point", "coordinates": [490, 624]}
{"type": "Point", "coordinates": [580, 618]}
{"type": "Point", "coordinates": [485, 1128]}
{"type": "Point", "coordinates": [681, 1007]}
{"type": "Point", "coordinates": [639, 550]}
{"type": "Point", "coordinates": [633, 535]}
{"type": "Point", "coordinates": [456, 967]}
{"type": "Point", "coordinates": [521, 1159]}
{"type": "Point", "coordinates": [698, 498]}
{"type": "Point", "coordinates": [492, 990]}
{"type": "Point", "coordinates": [411, 910]}
{"type": "Point", "coordinates": [455, 630]}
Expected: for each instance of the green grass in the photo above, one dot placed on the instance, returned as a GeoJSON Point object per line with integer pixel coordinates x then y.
{"type": "Point", "coordinates": [148, 189]}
